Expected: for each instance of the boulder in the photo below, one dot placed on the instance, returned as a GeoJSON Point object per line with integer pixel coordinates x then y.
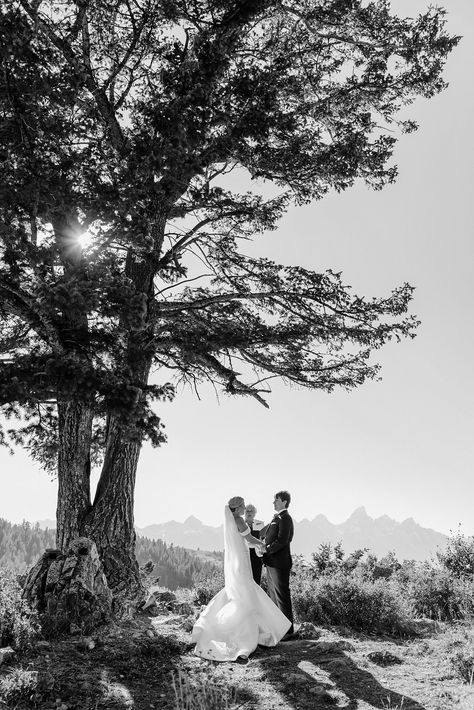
{"type": "Point", "coordinates": [384, 658]}
{"type": "Point", "coordinates": [86, 643]}
{"type": "Point", "coordinates": [425, 627]}
{"type": "Point", "coordinates": [70, 586]}
{"type": "Point", "coordinates": [185, 608]}
{"type": "Point", "coordinates": [334, 646]}
{"type": "Point", "coordinates": [6, 654]}
{"type": "Point", "coordinates": [308, 631]}
{"type": "Point", "coordinates": [188, 623]}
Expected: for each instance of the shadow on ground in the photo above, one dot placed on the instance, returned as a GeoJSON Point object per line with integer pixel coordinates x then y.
{"type": "Point", "coordinates": [128, 668]}
{"type": "Point", "coordinates": [308, 677]}
{"type": "Point", "coordinates": [128, 671]}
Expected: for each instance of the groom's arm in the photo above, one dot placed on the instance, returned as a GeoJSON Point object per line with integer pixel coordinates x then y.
{"type": "Point", "coordinates": [283, 538]}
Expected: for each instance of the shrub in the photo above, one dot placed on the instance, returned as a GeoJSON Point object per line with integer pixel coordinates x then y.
{"type": "Point", "coordinates": [458, 557]}
{"type": "Point", "coordinates": [330, 560]}
{"type": "Point", "coordinates": [350, 600]}
{"type": "Point", "coordinates": [184, 595]}
{"type": "Point", "coordinates": [373, 568]}
{"type": "Point", "coordinates": [207, 585]}
{"type": "Point", "coordinates": [437, 594]}
{"type": "Point", "coordinates": [18, 624]}
{"type": "Point", "coordinates": [18, 685]}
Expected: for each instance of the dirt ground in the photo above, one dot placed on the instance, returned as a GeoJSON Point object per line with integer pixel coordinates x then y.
{"type": "Point", "coordinates": [132, 666]}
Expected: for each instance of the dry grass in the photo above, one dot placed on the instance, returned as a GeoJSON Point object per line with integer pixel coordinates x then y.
{"type": "Point", "coordinates": [202, 693]}
{"type": "Point", "coordinates": [459, 649]}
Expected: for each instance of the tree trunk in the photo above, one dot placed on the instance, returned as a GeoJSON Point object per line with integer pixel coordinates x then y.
{"type": "Point", "coordinates": [111, 522]}
{"type": "Point", "coordinates": [74, 503]}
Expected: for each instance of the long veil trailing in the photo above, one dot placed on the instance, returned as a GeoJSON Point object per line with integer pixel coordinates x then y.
{"type": "Point", "coordinates": [241, 615]}
{"type": "Point", "coordinates": [237, 567]}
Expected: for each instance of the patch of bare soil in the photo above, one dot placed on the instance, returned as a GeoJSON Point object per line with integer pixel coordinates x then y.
{"type": "Point", "coordinates": [131, 666]}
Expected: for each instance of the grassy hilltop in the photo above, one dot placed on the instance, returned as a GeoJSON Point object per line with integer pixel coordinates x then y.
{"type": "Point", "coordinates": [373, 634]}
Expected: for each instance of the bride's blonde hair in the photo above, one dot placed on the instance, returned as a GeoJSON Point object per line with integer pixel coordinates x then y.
{"type": "Point", "coordinates": [234, 502]}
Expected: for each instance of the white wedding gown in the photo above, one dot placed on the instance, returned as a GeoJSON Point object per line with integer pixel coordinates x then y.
{"type": "Point", "coordinates": [241, 615]}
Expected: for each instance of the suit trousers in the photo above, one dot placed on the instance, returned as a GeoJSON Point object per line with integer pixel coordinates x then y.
{"type": "Point", "coordinates": [257, 564]}
{"type": "Point", "coordinates": [278, 583]}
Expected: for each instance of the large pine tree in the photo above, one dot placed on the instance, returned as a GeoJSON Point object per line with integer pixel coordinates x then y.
{"type": "Point", "coordinates": [122, 241]}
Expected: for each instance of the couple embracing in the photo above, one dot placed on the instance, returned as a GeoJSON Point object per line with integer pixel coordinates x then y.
{"type": "Point", "coordinates": [242, 616]}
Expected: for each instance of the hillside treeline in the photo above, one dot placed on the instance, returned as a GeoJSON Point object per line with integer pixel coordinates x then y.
{"type": "Point", "coordinates": [22, 544]}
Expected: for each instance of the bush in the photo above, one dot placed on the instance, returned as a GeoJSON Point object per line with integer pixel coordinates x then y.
{"type": "Point", "coordinates": [184, 595]}
{"type": "Point", "coordinates": [18, 686]}
{"type": "Point", "coordinates": [437, 594]}
{"type": "Point", "coordinates": [350, 600]}
{"type": "Point", "coordinates": [18, 623]}
{"type": "Point", "coordinates": [207, 585]}
{"type": "Point", "coordinates": [330, 560]}
{"type": "Point", "coordinates": [386, 567]}
{"type": "Point", "coordinates": [458, 557]}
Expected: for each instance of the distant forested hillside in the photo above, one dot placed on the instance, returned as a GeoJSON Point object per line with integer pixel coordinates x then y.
{"type": "Point", "coordinates": [175, 566]}
{"type": "Point", "coordinates": [21, 545]}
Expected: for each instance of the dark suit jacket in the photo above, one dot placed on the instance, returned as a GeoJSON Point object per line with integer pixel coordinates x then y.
{"type": "Point", "coordinates": [278, 536]}
{"type": "Point", "coordinates": [255, 560]}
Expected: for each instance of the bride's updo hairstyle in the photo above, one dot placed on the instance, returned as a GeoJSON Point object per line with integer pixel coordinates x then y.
{"type": "Point", "coordinates": [234, 502]}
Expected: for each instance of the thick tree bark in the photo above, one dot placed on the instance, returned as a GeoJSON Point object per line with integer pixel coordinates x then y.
{"type": "Point", "coordinates": [74, 503]}
{"type": "Point", "coordinates": [111, 522]}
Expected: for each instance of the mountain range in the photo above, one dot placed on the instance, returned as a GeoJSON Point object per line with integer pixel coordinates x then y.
{"type": "Point", "coordinates": [408, 540]}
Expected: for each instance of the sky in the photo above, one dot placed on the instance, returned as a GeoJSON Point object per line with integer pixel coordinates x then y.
{"type": "Point", "coordinates": [403, 446]}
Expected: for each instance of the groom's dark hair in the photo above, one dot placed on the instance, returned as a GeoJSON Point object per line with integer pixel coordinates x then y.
{"type": "Point", "coordinates": [284, 495]}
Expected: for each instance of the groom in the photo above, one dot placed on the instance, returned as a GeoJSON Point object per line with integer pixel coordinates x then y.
{"type": "Point", "coordinates": [277, 556]}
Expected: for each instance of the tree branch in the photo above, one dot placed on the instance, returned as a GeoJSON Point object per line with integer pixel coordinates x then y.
{"type": "Point", "coordinates": [83, 68]}
{"type": "Point", "coordinates": [25, 307]}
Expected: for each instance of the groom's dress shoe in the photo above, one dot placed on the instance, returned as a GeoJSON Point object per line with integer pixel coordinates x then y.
{"type": "Point", "coordinates": [290, 636]}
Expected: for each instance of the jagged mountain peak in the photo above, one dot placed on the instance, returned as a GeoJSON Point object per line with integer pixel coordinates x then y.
{"type": "Point", "coordinates": [192, 521]}
{"type": "Point", "coordinates": [410, 523]}
{"type": "Point", "coordinates": [359, 513]}
{"type": "Point", "coordinates": [379, 535]}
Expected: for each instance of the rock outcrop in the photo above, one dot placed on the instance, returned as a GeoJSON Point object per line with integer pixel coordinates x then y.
{"type": "Point", "coordinates": [70, 587]}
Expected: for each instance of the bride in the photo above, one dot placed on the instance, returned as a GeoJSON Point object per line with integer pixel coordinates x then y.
{"type": "Point", "coordinates": [240, 616]}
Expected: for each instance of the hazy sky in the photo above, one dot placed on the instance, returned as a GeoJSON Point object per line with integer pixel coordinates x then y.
{"type": "Point", "coordinates": [403, 446]}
